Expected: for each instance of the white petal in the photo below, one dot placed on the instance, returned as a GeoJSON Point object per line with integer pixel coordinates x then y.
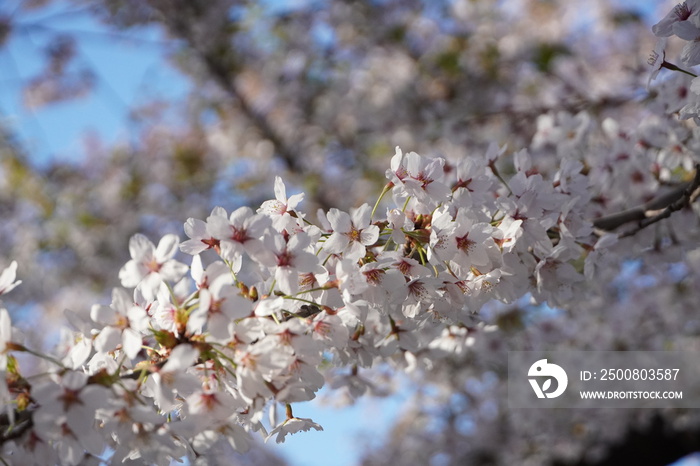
{"type": "Point", "coordinates": [218, 212]}
{"type": "Point", "coordinates": [108, 339]}
{"type": "Point", "coordinates": [336, 243]}
{"type": "Point", "coordinates": [195, 228]}
{"type": "Point", "coordinates": [287, 280]}
{"type": "Point", "coordinates": [369, 235]}
{"type": "Point", "coordinates": [294, 201]}
{"type": "Point", "coordinates": [197, 270]}
{"type": "Point", "coordinates": [355, 251]}
{"type": "Point", "coordinates": [193, 246]}
{"type": "Point", "coordinates": [181, 357]}
{"type": "Point", "coordinates": [5, 328]}
{"type": "Point", "coordinates": [131, 274]}
{"type": "Point", "coordinates": [131, 342]}
{"type": "Point", "coordinates": [218, 227]}
{"type": "Point", "coordinates": [103, 314]}
{"type": "Point", "coordinates": [686, 30]}
{"type": "Point", "coordinates": [140, 246]}
{"type": "Point", "coordinates": [173, 270]}
{"type": "Point", "coordinates": [339, 220]}
{"type": "Point", "coordinates": [361, 216]}
{"type": "Point", "coordinates": [167, 247]}
{"type": "Point", "coordinates": [691, 53]}
{"type": "Point", "coordinates": [239, 215]}
{"type": "Point", "coordinates": [280, 190]}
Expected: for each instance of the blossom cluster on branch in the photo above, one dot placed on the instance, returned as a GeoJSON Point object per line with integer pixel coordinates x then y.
{"type": "Point", "coordinates": [187, 354]}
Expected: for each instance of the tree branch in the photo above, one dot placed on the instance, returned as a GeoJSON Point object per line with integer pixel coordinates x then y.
{"type": "Point", "coordinates": [653, 211]}
{"type": "Point", "coordinates": [10, 431]}
{"type": "Point", "coordinates": [221, 68]}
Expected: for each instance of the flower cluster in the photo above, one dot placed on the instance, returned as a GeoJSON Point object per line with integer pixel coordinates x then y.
{"type": "Point", "coordinates": [682, 21]}
{"type": "Point", "coordinates": [187, 356]}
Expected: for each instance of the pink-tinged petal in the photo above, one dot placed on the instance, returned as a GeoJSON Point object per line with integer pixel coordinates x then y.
{"type": "Point", "coordinates": [361, 216]}
{"type": "Point", "coordinates": [131, 342]}
{"type": "Point", "coordinates": [181, 357]}
{"type": "Point", "coordinates": [369, 235]}
{"type": "Point", "coordinates": [413, 163]}
{"type": "Point", "coordinates": [167, 247]}
{"type": "Point", "coordinates": [131, 274]}
{"type": "Point", "coordinates": [339, 220]}
{"type": "Point", "coordinates": [193, 247]}
{"type": "Point", "coordinates": [108, 339]}
{"type": "Point", "coordinates": [478, 256]}
{"type": "Point", "coordinates": [140, 247]}
{"type": "Point", "coordinates": [272, 207]}
{"type": "Point", "coordinates": [336, 243]}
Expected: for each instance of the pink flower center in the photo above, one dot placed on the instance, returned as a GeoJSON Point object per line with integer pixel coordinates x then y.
{"type": "Point", "coordinates": [239, 235]}
{"type": "Point", "coordinates": [465, 245]}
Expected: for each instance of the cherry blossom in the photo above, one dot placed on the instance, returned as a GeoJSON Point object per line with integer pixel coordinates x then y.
{"type": "Point", "coordinates": [351, 233]}
{"type": "Point", "coordinates": [150, 264]}
{"type": "Point", "coordinates": [680, 13]}
{"type": "Point", "coordinates": [280, 209]}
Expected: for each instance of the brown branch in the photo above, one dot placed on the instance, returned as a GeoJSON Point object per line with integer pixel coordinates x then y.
{"type": "Point", "coordinates": [222, 67]}
{"type": "Point", "coordinates": [11, 430]}
{"type": "Point", "coordinates": [653, 211]}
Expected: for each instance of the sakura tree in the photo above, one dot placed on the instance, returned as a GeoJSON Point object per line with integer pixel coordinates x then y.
{"type": "Point", "coordinates": [213, 340]}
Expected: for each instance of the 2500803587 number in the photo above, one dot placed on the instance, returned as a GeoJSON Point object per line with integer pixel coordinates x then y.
{"type": "Point", "coordinates": [639, 374]}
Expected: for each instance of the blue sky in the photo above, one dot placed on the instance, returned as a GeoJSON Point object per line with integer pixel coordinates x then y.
{"type": "Point", "coordinates": [129, 68]}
